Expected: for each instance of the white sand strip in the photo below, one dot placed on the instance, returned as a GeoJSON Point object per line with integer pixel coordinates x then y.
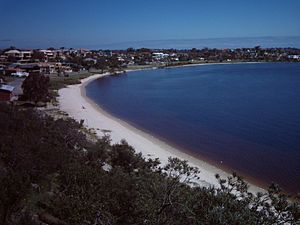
{"type": "Point", "coordinates": [73, 101]}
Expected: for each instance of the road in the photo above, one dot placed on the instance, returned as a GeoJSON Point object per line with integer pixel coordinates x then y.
{"type": "Point", "coordinates": [17, 83]}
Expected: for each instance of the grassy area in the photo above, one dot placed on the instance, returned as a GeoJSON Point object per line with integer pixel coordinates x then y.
{"type": "Point", "coordinates": [57, 82]}
{"type": "Point", "coordinates": [138, 67]}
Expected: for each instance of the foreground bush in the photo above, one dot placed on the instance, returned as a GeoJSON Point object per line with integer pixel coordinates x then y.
{"type": "Point", "coordinates": [50, 173]}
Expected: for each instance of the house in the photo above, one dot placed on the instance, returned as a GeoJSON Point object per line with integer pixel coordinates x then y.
{"type": "Point", "coordinates": [12, 69]}
{"type": "Point", "coordinates": [19, 55]}
{"type": "Point", "coordinates": [13, 53]}
{"type": "Point", "coordinates": [43, 68]}
{"type": "Point", "coordinates": [49, 54]}
{"type": "Point", "coordinates": [47, 68]}
{"type": "Point", "coordinates": [26, 56]}
{"type": "Point", "coordinates": [295, 57]}
{"type": "Point", "coordinates": [6, 92]}
{"type": "Point", "coordinates": [160, 55]}
{"type": "Point", "coordinates": [30, 67]}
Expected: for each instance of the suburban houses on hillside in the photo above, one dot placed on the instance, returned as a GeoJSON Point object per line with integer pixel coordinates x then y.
{"type": "Point", "coordinates": [20, 63]}
{"type": "Point", "coordinates": [62, 61]}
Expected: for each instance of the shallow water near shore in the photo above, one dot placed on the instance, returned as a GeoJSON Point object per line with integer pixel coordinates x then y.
{"type": "Point", "coordinates": [245, 117]}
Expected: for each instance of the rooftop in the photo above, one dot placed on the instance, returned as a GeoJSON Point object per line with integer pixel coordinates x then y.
{"type": "Point", "coordinates": [12, 51]}
{"type": "Point", "coordinates": [5, 87]}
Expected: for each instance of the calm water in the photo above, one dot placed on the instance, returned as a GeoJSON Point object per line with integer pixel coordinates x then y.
{"type": "Point", "coordinates": [244, 116]}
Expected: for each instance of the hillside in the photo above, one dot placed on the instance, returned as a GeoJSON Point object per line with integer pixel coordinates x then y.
{"type": "Point", "coordinates": [53, 171]}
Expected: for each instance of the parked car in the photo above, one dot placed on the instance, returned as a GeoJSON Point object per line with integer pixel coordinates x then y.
{"type": "Point", "coordinates": [20, 74]}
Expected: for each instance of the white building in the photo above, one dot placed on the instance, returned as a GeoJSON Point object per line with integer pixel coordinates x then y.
{"type": "Point", "coordinates": [297, 57]}
{"type": "Point", "coordinates": [160, 55]}
{"type": "Point", "coordinates": [20, 55]}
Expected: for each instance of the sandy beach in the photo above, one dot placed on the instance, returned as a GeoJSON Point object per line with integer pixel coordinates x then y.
{"type": "Point", "coordinates": [74, 101]}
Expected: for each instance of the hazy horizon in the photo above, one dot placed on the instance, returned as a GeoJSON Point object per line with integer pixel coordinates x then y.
{"type": "Point", "coordinates": [230, 42]}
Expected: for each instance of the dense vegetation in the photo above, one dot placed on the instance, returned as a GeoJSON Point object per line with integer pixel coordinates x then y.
{"type": "Point", "coordinates": [52, 171]}
{"type": "Point", "coordinates": [35, 88]}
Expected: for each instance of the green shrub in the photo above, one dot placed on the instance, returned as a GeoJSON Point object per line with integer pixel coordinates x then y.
{"type": "Point", "coordinates": [49, 169]}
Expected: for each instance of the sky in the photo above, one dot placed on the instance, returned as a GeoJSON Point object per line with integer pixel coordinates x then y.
{"type": "Point", "coordinates": [78, 23]}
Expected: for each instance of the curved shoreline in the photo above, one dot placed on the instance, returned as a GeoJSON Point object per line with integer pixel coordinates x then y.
{"type": "Point", "coordinates": [74, 101]}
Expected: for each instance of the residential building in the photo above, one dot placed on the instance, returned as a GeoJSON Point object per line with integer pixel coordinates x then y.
{"type": "Point", "coordinates": [22, 55]}
{"type": "Point", "coordinates": [49, 54]}
{"type": "Point", "coordinates": [6, 92]}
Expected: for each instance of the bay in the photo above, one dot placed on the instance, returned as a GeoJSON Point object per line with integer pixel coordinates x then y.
{"type": "Point", "coordinates": [240, 117]}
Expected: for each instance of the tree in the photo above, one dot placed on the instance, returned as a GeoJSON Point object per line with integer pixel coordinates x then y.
{"type": "Point", "coordinates": [130, 50]}
{"type": "Point", "coordinates": [32, 148]}
{"type": "Point", "coordinates": [37, 55]}
{"type": "Point", "coordinates": [114, 63]}
{"type": "Point", "coordinates": [101, 64]}
{"type": "Point", "coordinates": [36, 88]}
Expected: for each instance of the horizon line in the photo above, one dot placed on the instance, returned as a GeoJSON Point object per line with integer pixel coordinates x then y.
{"type": "Point", "coordinates": [8, 42]}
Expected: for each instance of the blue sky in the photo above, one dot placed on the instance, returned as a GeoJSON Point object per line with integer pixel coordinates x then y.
{"type": "Point", "coordinates": [38, 23]}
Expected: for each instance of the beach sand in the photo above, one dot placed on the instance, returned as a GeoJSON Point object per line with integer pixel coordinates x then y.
{"type": "Point", "coordinates": [74, 101]}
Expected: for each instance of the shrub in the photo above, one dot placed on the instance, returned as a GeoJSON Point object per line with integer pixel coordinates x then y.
{"type": "Point", "coordinates": [49, 169]}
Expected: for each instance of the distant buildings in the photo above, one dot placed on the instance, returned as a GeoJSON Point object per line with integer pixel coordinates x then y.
{"type": "Point", "coordinates": [160, 55]}
{"type": "Point", "coordinates": [63, 61]}
{"type": "Point", "coordinates": [295, 57]}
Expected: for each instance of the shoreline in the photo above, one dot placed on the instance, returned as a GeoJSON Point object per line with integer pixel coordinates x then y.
{"type": "Point", "coordinates": [150, 146]}
{"type": "Point", "coordinates": [194, 64]}
{"type": "Point", "coordinates": [212, 63]}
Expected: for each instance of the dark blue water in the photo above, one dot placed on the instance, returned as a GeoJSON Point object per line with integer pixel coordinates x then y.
{"type": "Point", "coordinates": [245, 117]}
